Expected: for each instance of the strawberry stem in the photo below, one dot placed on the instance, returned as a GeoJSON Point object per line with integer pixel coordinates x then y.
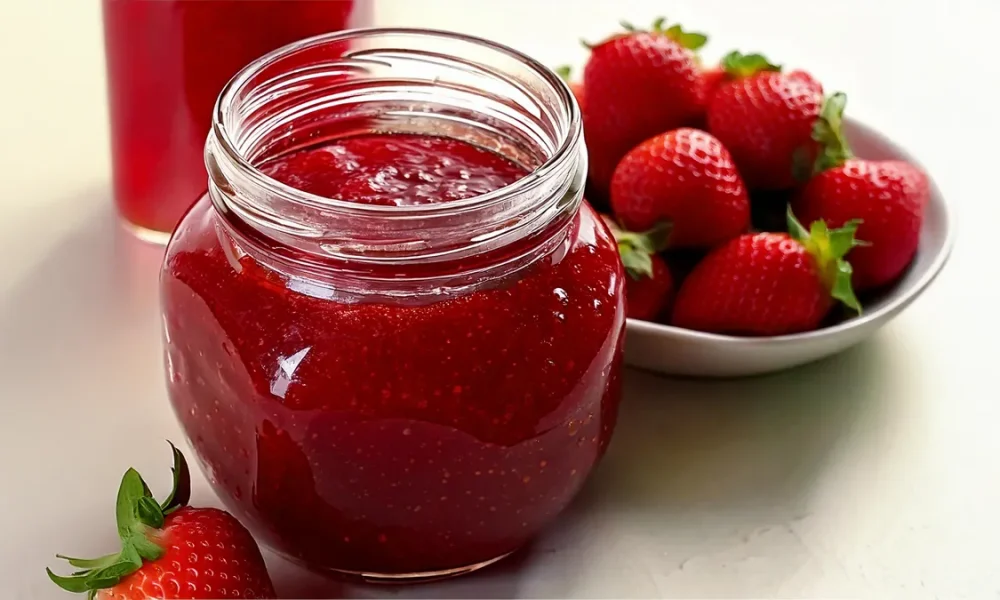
{"type": "Point", "coordinates": [828, 248]}
{"type": "Point", "coordinates": [136, 513]}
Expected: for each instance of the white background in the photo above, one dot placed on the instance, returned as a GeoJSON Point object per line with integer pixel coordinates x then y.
{"type": "Point", "coordinates": [875, 474]}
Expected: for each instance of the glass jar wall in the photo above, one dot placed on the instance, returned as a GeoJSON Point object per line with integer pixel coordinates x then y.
{"type": "Point", "coordinates": [393, 327]}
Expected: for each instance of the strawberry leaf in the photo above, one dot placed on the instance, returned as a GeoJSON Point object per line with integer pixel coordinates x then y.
{"type": "Point", "coordinates": [637, 264]}
{"type": "Point", "coordinates": [739, 65]}
{"type": "Point", "coordinates": [90, 563]}
{"type": "Point", "coordinates": [842, 240]}
{"type": "Point", "coordinates": [136, 513]}
{"type": "Point", "coordinates": [829, 134]}
{"type": "Point", "coordinates": [842, 289]}
{"type": "Point", "coordinates": [76, 584]}
{"type": "Point", "coordinates": [180, 493]}
{"type": "Point", "coordinates": [828, 248]}
{"type": "Point", "coordinates": [686, 39]}
{"type": "Point", "coordinates": [795, 228]}
{"type": "Point", "coordinates": [129, 561]}
{"type": "Point", "coordinates": [149, 512]}
{"type": "Point", "coordinates": [637, 249]}
{"type": "Point", "coordinates": [564, 72]}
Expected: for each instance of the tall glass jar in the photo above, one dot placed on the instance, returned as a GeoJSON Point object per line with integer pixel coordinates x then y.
{"type": "Point", "coordinates": [167, 61]}
{"type": "Point", "coordinates": [395, 392]}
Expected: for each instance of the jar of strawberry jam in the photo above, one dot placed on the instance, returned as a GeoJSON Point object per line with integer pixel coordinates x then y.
{"type": "Point", "coordinates": [393, 327]}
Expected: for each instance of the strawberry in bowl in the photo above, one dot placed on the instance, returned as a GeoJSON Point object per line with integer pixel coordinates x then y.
{"type": "Point", "coordinates": [719, 159]}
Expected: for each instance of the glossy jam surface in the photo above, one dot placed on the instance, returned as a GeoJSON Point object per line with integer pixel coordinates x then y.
{"type": "Point", "coordinates": [393, 437]}
{"type": "Point", "coordinates": [167, 62]}
{"type": "Point", "coordinates": [395, 170]}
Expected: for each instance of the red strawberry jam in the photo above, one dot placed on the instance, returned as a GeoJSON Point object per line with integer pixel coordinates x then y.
{"type": "Point", "coordinates": [399, 436]}
{"type": "Point", "coordinates": [167, 60]}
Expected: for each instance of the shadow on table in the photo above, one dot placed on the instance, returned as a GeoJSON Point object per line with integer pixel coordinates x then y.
{"type": "Point", "coordinates": [82, 375]}
{"type": "Point", "coordinates": [736, 444]}
{"type": "Point", "coordinates": [96, 282]}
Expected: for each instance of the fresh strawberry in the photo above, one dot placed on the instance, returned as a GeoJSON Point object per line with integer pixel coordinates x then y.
{"type": "Point", "coordinates": [765, 118]}
{"type": "Point", "coordinates": [887, 196]}
{"type": "Point", "coordinates": [713, 77]}
{"type": "Point", "coordinates": [649, 286]}
{"type": "Point", "coordinates": [686, 177]}
{"type": "Point", "coordinates": [639, 84]}
{"type": "Point", "coordinates": [171, 551]}
{"type": "Point", "coordinates": [574, 86]}
{"type": "Point", "coordinates": [769, 283]}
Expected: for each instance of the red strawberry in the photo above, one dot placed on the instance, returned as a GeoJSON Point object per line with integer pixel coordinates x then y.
{"type": "Point", "coordinates": [684, 176]}
{"type": "Point", "coordinates": [575, 86]}
{"type": "Point", "coordinates": [769, 283]}
{"type": "Point", "coordinates": [765, 118]}
{"type": "Point", "coordinates": [887, 196]}
{"type": "Point", "coordinates": [171, 551]}
{"type": "Point", "coordinates": [649, 286]}
{"type": "Point", "coordinates": [713, 77]}
{"type": "Point", "coordinates": [639, 84]}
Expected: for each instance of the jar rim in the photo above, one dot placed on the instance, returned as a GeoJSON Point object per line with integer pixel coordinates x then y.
{"type": "Point", "coordinates": [229, 95]}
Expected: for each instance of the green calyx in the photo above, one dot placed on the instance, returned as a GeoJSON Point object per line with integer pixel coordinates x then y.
{"type": "Point", "coordinates": [738, 65]}
{"type": "Point", "coordinates": [564, 72]}
{"type": "Point", "coordinates": [828, 132]}
{"type": "Point", "coordinates": [637, 249]}
{"type": "Point", "coordinates": [137, 514]}
{"type": "Point", "coordinates": [686, 39]}
{"type": "Point", "coordinates": [829, 247]}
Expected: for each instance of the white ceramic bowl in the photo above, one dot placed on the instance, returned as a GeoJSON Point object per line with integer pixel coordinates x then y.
{"type": "Point", "coordinates": [675, 351]}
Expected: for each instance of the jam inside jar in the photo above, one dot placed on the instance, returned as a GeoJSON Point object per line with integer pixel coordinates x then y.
{"type": "Point", "coordinates": [167, 61]}
{"type": "Point", "coordinates": [392, 326]}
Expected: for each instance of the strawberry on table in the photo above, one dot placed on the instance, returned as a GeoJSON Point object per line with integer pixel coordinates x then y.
{"type": "Point", "coordinates": [649, 286]}
{"type": "Point", "coordinates": [171, 551]}
{"type": "Point", "coordinates": [639, 84]}
{"type": "Point", "coordinates": [887, 196]}
{"type": "Point", "coordinates": [765, 118]}
{"type": "Point", "coordinates": [685, 177]}
{"type": "Point", "coordinates": [762, 284]}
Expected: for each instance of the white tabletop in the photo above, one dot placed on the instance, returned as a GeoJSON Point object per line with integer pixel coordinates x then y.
{"type": "Point", "coordinates": [875, 474]}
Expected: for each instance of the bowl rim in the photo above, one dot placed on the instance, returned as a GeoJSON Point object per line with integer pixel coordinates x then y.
{"type": "Point", "coordinates": [896, 302]}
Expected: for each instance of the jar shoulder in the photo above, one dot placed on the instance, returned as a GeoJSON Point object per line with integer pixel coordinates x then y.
{"type": "Point", "coordinates": [202, 255]}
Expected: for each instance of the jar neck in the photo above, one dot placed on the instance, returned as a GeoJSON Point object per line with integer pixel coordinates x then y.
{"type": "Point", "coordinates": [397, 81]}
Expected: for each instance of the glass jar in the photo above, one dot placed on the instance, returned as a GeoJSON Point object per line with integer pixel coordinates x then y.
{"type": "Point", "coordinates": [395, 392]}
{"type": "Point", "coordinates": [167, 61]}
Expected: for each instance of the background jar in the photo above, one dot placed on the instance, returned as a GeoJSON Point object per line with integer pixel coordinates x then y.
{"type": "Point", "coordinates": [167, 61]}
